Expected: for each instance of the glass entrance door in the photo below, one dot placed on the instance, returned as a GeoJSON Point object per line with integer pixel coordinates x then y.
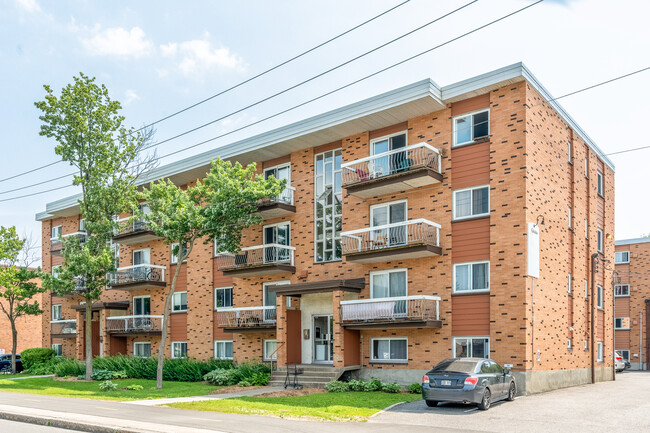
{"type": "Point", "coordinates": [323, 331]}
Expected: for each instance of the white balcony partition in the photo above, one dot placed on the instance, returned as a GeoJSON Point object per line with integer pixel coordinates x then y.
{"type": "Point", "coordinates": [418, 307]}
{"type": "Point", "coordinates": [260, 255]}
{"type": "Point", "coordinates": [391, 162]}
{"type": "Point", "coordinates": [413, 232]}
{"type": "Point", "coordinates": [246, 316]}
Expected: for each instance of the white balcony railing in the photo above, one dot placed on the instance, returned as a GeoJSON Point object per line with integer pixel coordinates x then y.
{"type": "Point", "coordinates": [285, 197]}
{"type": "Point", "coordinates": [419, 307]}
{"type": "Point", "coordinates": [413, 232]}
{"type": "Point", "coordinates": [134, 324]}
{"type": "Point", "coordinates": [391, 162]}
{"type": "Point", "coordinates": [63, 327]}
{"type": "Point", "coordinates": [247, 317]}
{"type": "Point", "coordinates": [260, 255]}
{"type": "Point", "coordinates": [57, 243]}
{"type": "Point", "coordinates": [129, 225]}
{"type": "Point", "coordinates": [137, 274]}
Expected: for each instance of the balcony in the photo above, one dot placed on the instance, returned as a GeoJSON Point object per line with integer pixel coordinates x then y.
{"type": "Point", "coordinates": [280, 206]}
{"type": "Point", "coordinates": [404, 240]}
{"type": "Point", "coordinates": [133, 232]}
{"type": "Point", "coordinates": [258, 260]}
{"type": "Point", "coordinates": [63, 328]}
{"type": "Point", "coordinates": [387, 313]}
{"type": "Point", "coordinates": [397, 170]}
{"type": "Point", "coordinates": [247, 319]}
{"type": "Point", "coordinates": [56, 244]}
{"type": "Point", "coordinates": [130, 325]}
{"type": "Point", "coordinates": [137, 277]}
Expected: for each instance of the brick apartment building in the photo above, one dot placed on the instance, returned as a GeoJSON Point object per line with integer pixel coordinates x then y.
{"type": "Point", "coordinates": [30, 330]}
{"type": "Point", "coordinates": [402, 239]}
{"type": "Point", "coordinates": [632, 301]}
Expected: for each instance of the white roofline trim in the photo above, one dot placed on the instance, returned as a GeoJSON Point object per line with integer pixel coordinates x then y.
{"type": "Point", "coordinates": [632, 241]}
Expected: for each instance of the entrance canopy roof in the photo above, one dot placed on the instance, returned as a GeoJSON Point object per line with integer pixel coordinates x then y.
{"type": "Point", "coordinates": [351, 285]}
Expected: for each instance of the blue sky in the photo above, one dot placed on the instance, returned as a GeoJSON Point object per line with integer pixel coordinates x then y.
{"type": "Point", "coordinates": [157, 57]}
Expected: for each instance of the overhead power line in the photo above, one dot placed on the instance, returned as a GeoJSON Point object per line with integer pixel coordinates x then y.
{"type": "Point", "coordinates": [248, 80]}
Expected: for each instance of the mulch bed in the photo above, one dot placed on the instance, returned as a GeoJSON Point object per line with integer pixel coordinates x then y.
{"type": "Point", "coordinates": [293, 392]}
{"type": "Point", "coordinates": [233, 389]}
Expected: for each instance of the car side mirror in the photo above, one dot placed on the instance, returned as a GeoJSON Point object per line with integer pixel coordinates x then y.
{"type": "Point", "coordinates": [506, 371]}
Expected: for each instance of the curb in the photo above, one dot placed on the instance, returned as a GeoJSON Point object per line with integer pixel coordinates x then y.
{"type": "Point", "coordinates": [69, 425]}
{"type": "Point", "coordinates": [386, 409]}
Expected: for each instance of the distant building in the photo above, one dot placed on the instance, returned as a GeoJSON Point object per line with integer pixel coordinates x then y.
{"type": "Point", "coordinates": [30, 329]}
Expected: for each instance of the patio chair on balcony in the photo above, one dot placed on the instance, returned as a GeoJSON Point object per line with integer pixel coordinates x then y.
{"type": "Point", "coordinates": [403, 165]}
{"type": "Point", "coordinates": [362, 175]}
{"type": "Point", "coordinates": [379, 242]}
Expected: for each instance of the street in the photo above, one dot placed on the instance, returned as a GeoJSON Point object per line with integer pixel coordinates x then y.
{"type": "Point", "coordinates": [20, 427]}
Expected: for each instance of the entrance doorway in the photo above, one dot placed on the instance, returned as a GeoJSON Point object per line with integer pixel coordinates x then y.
{"type": "Point", "coordinates": [323, 331]}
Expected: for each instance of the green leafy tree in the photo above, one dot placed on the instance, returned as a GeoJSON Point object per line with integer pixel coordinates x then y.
{"type": "Point", "coordinates": [91, 137]}
{"type": "Point", "coordinates": [18, 284]}
{"type": "Point", "coordinates": [219, 207]}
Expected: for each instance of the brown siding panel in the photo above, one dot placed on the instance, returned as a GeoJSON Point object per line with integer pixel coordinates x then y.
{"type": "Point", "coordinates": [470, 240]}
{"type": "Point", "coordinates": [470, 165]}
{"type": "Point", "coordinates": [622, 307]}
{"type": "Point", "coordinates": [471, 104]}
{"type": "Point", "coordinates": [470, 314]}
{"type": "Point", "coordinates": [294, 338]}
{"type": "Point", "coordinates": [388, 130]}
{"type": "Point", "coordinates": [178, 322]}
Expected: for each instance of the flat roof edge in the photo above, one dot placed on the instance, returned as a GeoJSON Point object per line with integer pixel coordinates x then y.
{"type": "Point", "coordinates": [632, 241]}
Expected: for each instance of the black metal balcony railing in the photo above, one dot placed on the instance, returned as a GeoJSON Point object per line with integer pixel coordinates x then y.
{"type": "Point", "coordinates": [137, 274]}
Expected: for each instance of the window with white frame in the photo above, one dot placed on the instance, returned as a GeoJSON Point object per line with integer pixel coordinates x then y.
{"type": "Point", "coordinates": [179, 302]}
{"type": "Point", "coordinates": [586, 345]}
{"type": "Point", "coordinates": [179, 349]}
{"type": "Point", "coordinates": [471, 202]}
{"type": "Point", "coordinates": [389, 350]}
{"type": "Point", "coordinates": [392, 163]}
{"type": "Point", "coordinates": [586, 289]}
{"type": "Point", "coordinates": [223, 297]}
{"type": "Point", "coordinates": [142, 257]}
{"type": "Point", "coordinates": [223, 349]}
{"type": "Point", "coordinates": [622, 323]}
{"type": "Point", "coordinates": [599, 183]}
{"type": "Point", "coordinates": [568, 144]}
{"type": "Point", "coordinates": [281, 172]}
{"type": "Point", "coordinates": [622, 290]}
{"type": "Point", "coordinates": [390, 284]}
{"type": "Point", "coordinates": [142, 349]}
{"type": "Point", "coordinates": [569, 346]}
{"type": "Point", "coordinates": [56, 312]}
{"type": "Point", "coordinates": [569, 283]}
{"type": "Point", "coordinates": [56, 232]}
{"type": "Point", "coordinates": [270, 299]}
{"type": "Point", "coordinates": [587, 168]}
{"type": "Point", "coordinates": [82, 225]}
{"type": "Point", "coordinates": [586, 228]}
{"type": "Point", "coordinates": [599, 351]}
{"type": "Point", "coordinates": [625, 354]}
{"type": "Point", "coordinates": [471, 277]}
{"type": "Point", "coordinates": [471, 126]}
{"type": "Point", "coordinates": [270, 348]}
{"type": "Point", "coordinates": [621, 257]}
{"type": "Point", "coordinates": [218, 247]}
{"type": "Point", "coordinates": [599, 297]}
{"type": "Point", "coordinates": [56, 269]}
{"type": "Point", "coordinates": [174, 257]}
{"type": "Point", "coordinates": [328, 206]}
{"type": "Point", "coordinates": [58, 349]}
{"type": "Point", "coordinates": [599, 240]}
{"type": "Point", "coordinates": [471, 347]}
{"type": "Point", "coordinates": [570, 219]}
{"type": "Point", "coordinates": [115, 253]}
{"type": "Point", "coordinates": [142, 305]}
{"type": "Point", "coordinates": [392, 213]}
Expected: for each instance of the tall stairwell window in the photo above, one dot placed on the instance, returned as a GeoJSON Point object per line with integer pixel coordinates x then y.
{"type": "Point", "coordinates": [328, 205]}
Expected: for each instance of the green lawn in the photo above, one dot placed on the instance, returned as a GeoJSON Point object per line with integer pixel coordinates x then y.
{"type": "Point", "coordinates": [48, 386]}
{"type": "Point", "coordinates": [11, 376]}
{"type": "Point", "coordinates": [340, 406]}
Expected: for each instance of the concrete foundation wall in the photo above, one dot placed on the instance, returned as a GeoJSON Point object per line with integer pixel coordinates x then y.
{"type": "Point", "coordinates": [541, 381]}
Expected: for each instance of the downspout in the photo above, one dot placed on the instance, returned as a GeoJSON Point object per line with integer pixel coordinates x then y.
{"type": "Point", "coordinates": [594, 259]}
{"type": "Point", "coordinates": [613, 326]}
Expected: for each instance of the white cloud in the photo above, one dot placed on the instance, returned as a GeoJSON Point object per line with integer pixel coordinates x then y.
{"type": "Point", "coordinates": [118, 42]}
{"type": "Point", "coordinates": [198, 56]}
{"type": "Point", "coordinates": [130, 96]}
{"type": "Point", "coordinates": [29, 5]}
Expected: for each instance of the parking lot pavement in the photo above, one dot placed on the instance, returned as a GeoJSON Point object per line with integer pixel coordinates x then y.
{"type": "Point", "coordinates": [619, 406]}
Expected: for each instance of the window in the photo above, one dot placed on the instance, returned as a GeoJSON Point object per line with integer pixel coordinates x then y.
{"type": "Point", "coordinates": [586, 228]}
{"type": "Point", "coordinates": [622, 323]}
{"type": "Point", "coordinates": [390, 284]}
{"type": "Point", "coordinates": [621, 257]}
{"type": "Point", "coordinates": [179, 349]}
{"type": "Point", "coordinates": [471, 202]}
{"type": "Point", "coordinates": [279, 234]}
{"type": "Point", "coordinates": [390, 163]}
{"type": "Point", "coordinates": [599, 183]}
{"type": "Point", "coordinates": [586, 289]}
{"type": "Point", "coordinates": [141, 257]}
{"type": "Point", "coordinates": [621, 290]}
{"type": "Point", "coordinates": [174, 257]}
{"type": "Point", "coordinates": [141, 305]}
{"type": "Point", "coordinates": [570, 219]}
{"type": "Point", "coordinates": [142, 349]}
{"type": "Point", "coordinates": [56, 232]}
{"type": "Point", "coordinates": [270, 347]}
{"type": "Point", "coordinates": [569, 283]}
{"type": "Point", "coordinates": [328, 206]}
{"type": "Point", "coordinates": [179, 301]}
{"type": "Point", "coordinates": [471, 347]}
{"type": "Point", "coordinates": [568, 144]}
{"type": "Point", "coordinates": [569, 344]}
{"type": "Point", "coordinates": [384, 214]}
{"type": "Point", "coordinates": [218, 247]}
{"type": "Point", "coordinates": [58, 349]}
{"type": "Point", "coordinates": [599, 240]}
{"type": "Point", "coordinates": [625, 354]}
{"type": "Point", "coordinates": [56, 269]}
{"type": "Point", "coordinates": [270, 299]}
{"type": "Point", "coordinates": [469, 127]}
{"type": "Point", "coordinates": [389, 349]}
{"type": "Point", "coordinates": [223, 349]}
{"type": "Point", "coordinates": [281, 172]}
{"type": "Point", "coordinates": [587, 168]}
{"type": "Point", "coordinates": [586, 345]}
{"type": "Point", "coordinates": [223, 297]}
{"type": "Point", "coordinates": [599, 351]}
{"type": "Point", "coordinates": [471, 277]}
{"type": "Point", "coordinates": [56, 312]}
{"type": "Point", "coordinates": [115, 252]}
{"type": "Point", "coordinates": [82, 225]}
{"type": "Point", "coordinates": [599, 297]}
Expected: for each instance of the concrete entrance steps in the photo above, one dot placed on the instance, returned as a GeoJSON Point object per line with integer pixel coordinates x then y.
{"type": "Point", "coordinates": [313, 376]}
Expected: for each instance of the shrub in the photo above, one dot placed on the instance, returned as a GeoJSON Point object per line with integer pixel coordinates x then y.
{"type": "Point", "coordinates": [42, 369]}
{"type": "Point", "coordinates": [134, 387]}
{"type": "Point", "coordinates": [36, 356]}
{"type": "Point", "coordinates": [173, 369]}
{"type": "Point", "coordinates": [107, 385]}
{"type": "Point", "coordinates": [356, 385]}
{"type": "Point", "coordinates": [336, 386]}
{"type": "Point", "coordinates": [219, 377]}
{"type": "Point", "coordinates": [373, 384]}
{"type": "Point", "coordinates": [102, 375]}
{"type": "Point", "coordinates": [245, 383]}
{"type": "Point", "coordinates": [415, 388]}
{"type": "Point", "coordinates": [391, 387]}
{"type": "Point", "coordinates": [260, 379]}
{"type": "Point", "coordinates": [69, 367]}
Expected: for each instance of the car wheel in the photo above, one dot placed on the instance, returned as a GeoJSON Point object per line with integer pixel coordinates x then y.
{"type": "Point", "coordinates": [485, 401]}
{"type": "Point", "coordinates": [512, 392]}
{"type": "Point", "coordinates": [431, 403]}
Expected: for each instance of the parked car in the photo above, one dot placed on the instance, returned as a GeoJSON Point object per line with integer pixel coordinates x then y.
{"type": "Point", "coordinates": [619, 362]}
{"type": "Point", "coordinates": [5, 363]}
{"type": "Point", "coordinates": [468, 380]}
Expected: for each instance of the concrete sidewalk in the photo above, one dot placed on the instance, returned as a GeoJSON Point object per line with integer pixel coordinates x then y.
{"type": "Point", "coordinates": [243, 393]}
{"type": "Point", "coordinates": [25, 377]}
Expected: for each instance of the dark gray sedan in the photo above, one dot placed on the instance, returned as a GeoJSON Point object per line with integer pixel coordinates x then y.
{"type": "Point", "coordinates": [468, 380]}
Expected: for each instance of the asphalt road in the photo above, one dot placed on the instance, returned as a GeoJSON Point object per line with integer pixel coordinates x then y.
{"type": "Point", "coordinates": [620, 406]}
{"type": "Point", "coordinates": [19, 427]}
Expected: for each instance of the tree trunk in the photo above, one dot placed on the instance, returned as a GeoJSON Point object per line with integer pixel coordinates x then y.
{"type": "Point", "coordinates": [14, 344]}
{"type": "Point", "coordinates": [163, 337]}
{"type": "Point", "coordinates": [89, 338]}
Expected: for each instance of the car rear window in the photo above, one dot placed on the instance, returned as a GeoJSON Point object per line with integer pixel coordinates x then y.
{"type": "Point", "coordinates": [456, 365]}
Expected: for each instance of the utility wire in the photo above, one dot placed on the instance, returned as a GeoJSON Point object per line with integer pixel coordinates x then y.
{"type": "Point", "coordinates": [169, 116]}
